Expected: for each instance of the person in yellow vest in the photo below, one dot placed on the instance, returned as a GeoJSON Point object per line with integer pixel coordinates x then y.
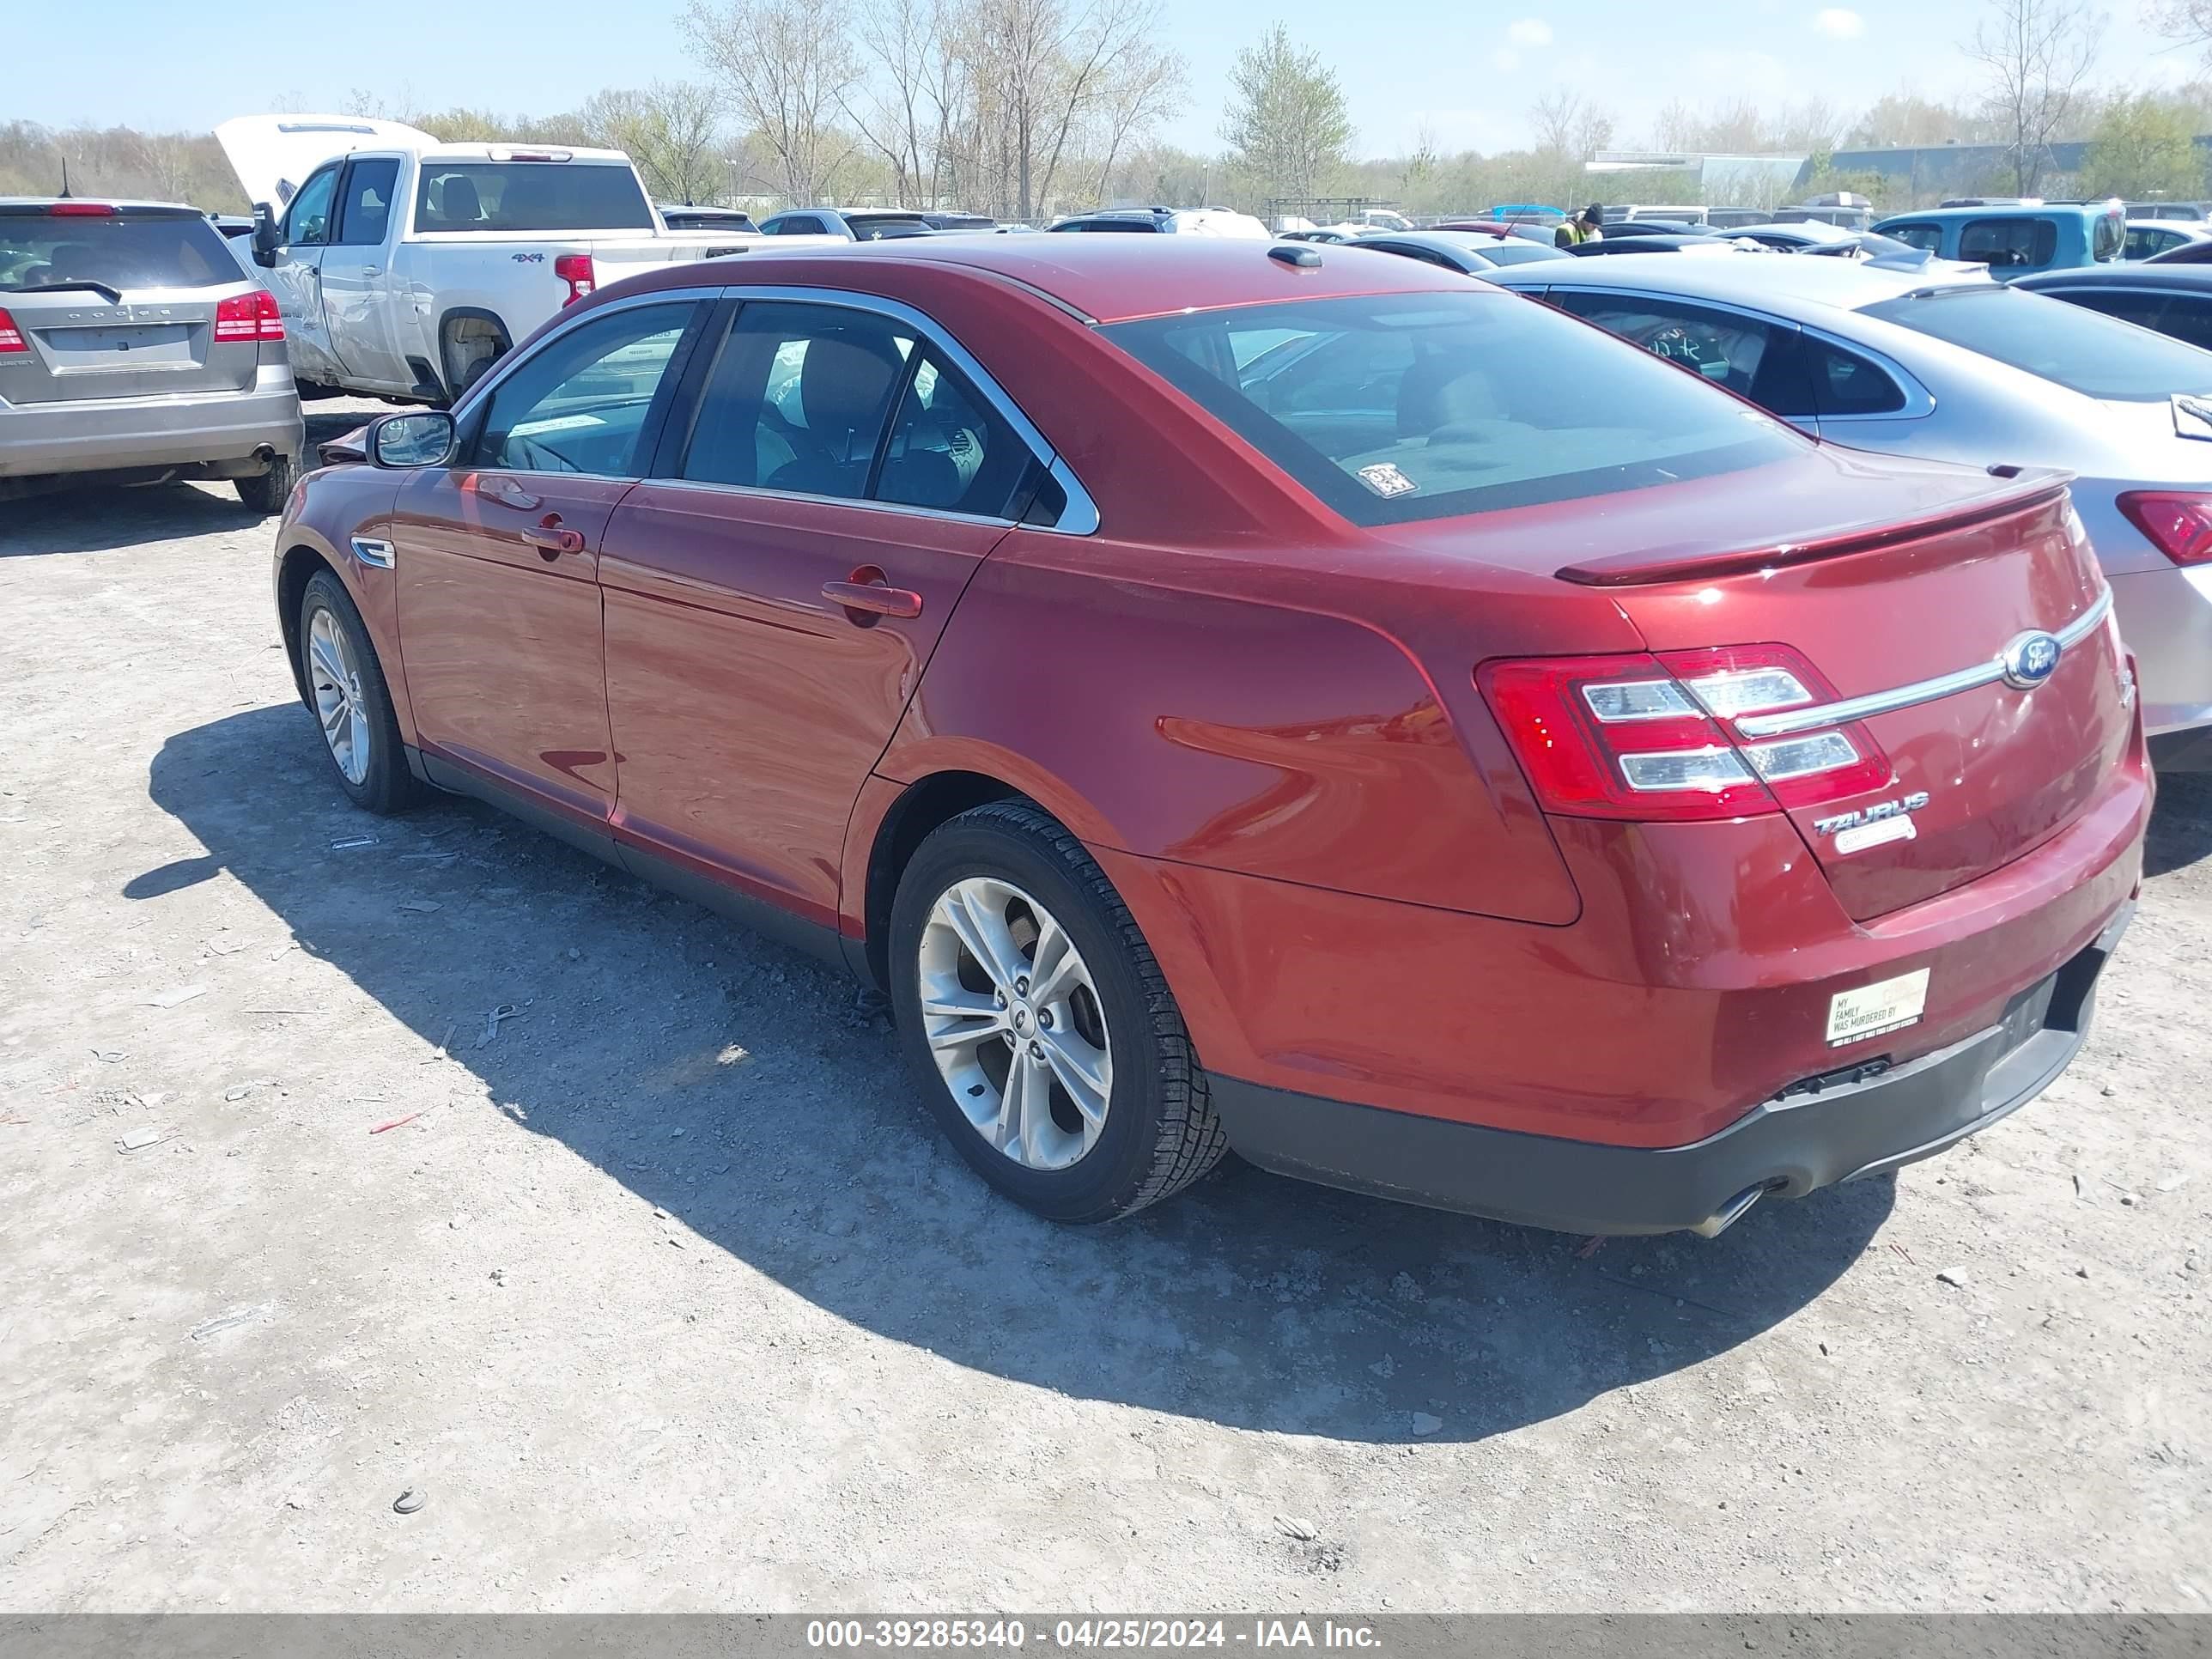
{"type": "Point", "coordinates": [1583, 227]}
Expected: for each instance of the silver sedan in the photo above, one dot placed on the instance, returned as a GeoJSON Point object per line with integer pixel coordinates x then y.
{"type": "Point", "coordinates": [1941, 362]}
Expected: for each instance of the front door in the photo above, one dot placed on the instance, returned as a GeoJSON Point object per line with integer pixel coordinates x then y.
{"type": "Point", "coordinates": [771, 608]}
{"type": "Point", "coordinates": [295, 275]}
{"type": "Point", "coordinates": [358, 301]}
{"type": "Point", "coordinates": [497, 559]}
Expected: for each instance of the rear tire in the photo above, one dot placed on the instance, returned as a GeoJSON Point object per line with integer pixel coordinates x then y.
{"type": "Point", "coordinates": [347, 694]}
{"type": "Point", "coordinates": [1155, 1132]}
{"type": "Point", "coordinates": [266, 493]}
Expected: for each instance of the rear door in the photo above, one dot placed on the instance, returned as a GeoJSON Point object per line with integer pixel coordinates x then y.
{"type": "Point", "coordinates": [109, 303]}
{"type": "Point", "coordinates": [770, 604]}
{"type": "Point", "coordinates": [358, 295]}
{"type": "Point", "coordinates": [497, 557]}
{"type": "Point", "coordinates": [1977, 772]}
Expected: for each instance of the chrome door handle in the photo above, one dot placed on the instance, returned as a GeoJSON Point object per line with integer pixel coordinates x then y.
{"type": "Point", "coordinates": [873, 600]}
{"type": "Point", "coordinates": [553, 542]}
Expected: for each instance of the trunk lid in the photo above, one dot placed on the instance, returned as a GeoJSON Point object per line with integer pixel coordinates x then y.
{"type": "Point", "coordinates": [273, 154]}
{"type": "Point", "coordinates": [118, 303]}
{"type": "Point", "coordinates": [1914, 622]}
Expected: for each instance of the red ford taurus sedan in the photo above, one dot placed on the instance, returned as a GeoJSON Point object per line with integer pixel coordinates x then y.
{"type": "Point", "coordinates": [1279, 699]}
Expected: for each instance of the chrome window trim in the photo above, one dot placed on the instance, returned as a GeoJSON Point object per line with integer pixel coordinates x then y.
{"type": "Point", "coordinates": [1920, 691]}
{"type": "Point", "coordinates": [499, 371]}
{"type": "Point", "coordinates": [371, 551]}
{"type": "Point", "coordinates": [1080, 508]}
{"type": "Point", "coordinates": [762, 492]}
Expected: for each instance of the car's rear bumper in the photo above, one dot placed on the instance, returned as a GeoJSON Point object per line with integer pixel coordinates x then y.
{"type": "Point", "coordinates": [1814, 1135]}
{"type": "Point", "coordinates": [189, 430]}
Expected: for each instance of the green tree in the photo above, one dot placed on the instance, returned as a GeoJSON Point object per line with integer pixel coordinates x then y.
{"type": "Point", "coordinates": [2141, 147]}
{"type": "Point", "coordinates": [1287, 122]}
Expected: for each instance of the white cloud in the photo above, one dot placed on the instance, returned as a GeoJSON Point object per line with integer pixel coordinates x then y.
{"type": "Point", "coordinates": [1839, 24]}
{"type": "Point", "coordinates": [1530, 32]}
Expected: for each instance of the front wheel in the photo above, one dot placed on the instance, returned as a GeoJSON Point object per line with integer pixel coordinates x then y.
{"type": "Point", "coordinates": [1051, 1050]}
{"type": "Point", "coordinates": [347, 692]}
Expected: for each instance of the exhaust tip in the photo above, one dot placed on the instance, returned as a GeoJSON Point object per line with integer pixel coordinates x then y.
{"type": "Point", "coordinates": [1730, 1212]}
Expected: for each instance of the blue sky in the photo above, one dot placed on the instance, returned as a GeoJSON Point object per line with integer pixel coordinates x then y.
{"type": "Point", "coordinates": [1469, 72]}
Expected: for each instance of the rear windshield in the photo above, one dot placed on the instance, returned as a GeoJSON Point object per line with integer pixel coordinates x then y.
{"type": "Point", "coordinates": [1392, 408]}
{"type": "Point", "coordinates": [120, 250]}
{"type": "Point", "coordinates": [2075, 347]}
{"type": "Point", "coordinates": [1511, 251]}
{"type": "Point", "coordinates": [871, 229]}
{"type": "Point", "coordinates": [530, 196]}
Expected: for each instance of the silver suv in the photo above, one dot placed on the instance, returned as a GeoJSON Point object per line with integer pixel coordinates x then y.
{"type": "Point", "coordinates": [135, 348]}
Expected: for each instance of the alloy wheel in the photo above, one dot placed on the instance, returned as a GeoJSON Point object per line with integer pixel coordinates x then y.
{"type": "Point", "coordinates": [335, 678]}
{"type": "Point", "coordinates": [1013, 1021]}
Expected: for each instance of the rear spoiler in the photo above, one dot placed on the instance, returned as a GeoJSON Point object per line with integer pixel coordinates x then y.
{"type": "Point", "coordinates": [2040, 487]}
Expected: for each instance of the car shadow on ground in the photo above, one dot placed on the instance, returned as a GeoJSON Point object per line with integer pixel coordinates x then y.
{"type": "Point", "coordinates": [2180, 824]}
{"type": "Point", "coordinates": [758, 1099]}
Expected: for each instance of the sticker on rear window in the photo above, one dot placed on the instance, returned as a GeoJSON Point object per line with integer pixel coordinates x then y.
{"type": "Point", "coordinates": [1874, 1010]}
{"type": "Point", "coordinates": [1386, 480]}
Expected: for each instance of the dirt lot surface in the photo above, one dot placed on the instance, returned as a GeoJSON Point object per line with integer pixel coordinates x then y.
{"type": "Point", "coordinates": [663, 1294]}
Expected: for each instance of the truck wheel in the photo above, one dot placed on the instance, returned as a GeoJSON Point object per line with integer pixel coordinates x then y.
{"type": "Point", "coordinates": [266, 493]}
{"type": "Point", "coordinates": [471, 345]}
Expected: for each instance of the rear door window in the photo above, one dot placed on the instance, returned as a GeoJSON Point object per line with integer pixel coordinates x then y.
{"type": "Point", "coordinates": [1405, 407]}
{"type": "Point", "coordinates": [366, 213]}
{"type": "Point", "coordinates": [948, 449]}
{"type": "Point", "coordinates": [1751, 357]}
{"type": "Point", "coordinates": [583, 403]}
{"type": "Point", "coordinates": [798, 400]}
{"type": "Point", "coordinates": [120, 251]}
{"type": "Point", "coordinates": [2142, 242]}
{"type": "Point", "coordinates": [530, 195]}
{"type": "Point", "coordinates": [2009, 244]}
{"type": "Point", "coordinates": [797, 224]}
{"type": "Point", "coordinates": [2189, 320]}
{"type": "Point", "coordinates": [1927, 238]}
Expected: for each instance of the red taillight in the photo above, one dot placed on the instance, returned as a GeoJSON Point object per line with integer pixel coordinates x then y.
{"type": "Point", "coordinates": [1655, 736]}
{"type": "Point", "coordinates": [575, 270]}
{"type": "Point", "coordinates": [80, 210]}
{"type": "Point", "coordinates": [11, 338]}
{"type": "Point", "coordinates": [2178, 524]}
{"type": "Point", "coordinates": [249, 317]}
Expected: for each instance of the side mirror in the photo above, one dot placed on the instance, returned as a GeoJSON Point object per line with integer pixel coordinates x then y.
{"type": "Point", "coordinates": [268, 239]}
{"type": "Point", "coordinates": [419, 438]}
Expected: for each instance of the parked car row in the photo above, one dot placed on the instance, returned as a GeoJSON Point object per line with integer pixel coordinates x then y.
{"type": "Point", "coordinates": [1472, 760]}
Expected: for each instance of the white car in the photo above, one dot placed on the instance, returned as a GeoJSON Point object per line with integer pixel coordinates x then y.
{"type": "Point", "coordinates": [405, 266]}
{"type": "Point", "coordinates": [1170, 222]}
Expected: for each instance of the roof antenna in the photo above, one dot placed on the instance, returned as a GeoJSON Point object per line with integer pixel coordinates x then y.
{"type": "Point", "coordinates": [65, 188]}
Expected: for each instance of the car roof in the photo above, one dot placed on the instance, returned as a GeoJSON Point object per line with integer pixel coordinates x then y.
{"type": "Point", "coordinates": [1844, 285]}
{"type": "Point", "coordinates": [1105, 279]}
{"type": "Point", "coordinates": [1996, 210]}
{"type": "Point", "coordinates": [2136, 274]}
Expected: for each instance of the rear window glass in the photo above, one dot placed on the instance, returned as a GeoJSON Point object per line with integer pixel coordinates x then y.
{"type": "Point", "coordinates": [120, 250]}
{"type": "Point", "coordinates": [1398, 407]}
{"type": "Point", "coordinates": [2078, 348]}
{"type": "Point", "coordinates": [2008, 244]}
{"type": "Point", "coordinates": [1510, 251]}
{"type": "Point", "coordinates": [530, 196]}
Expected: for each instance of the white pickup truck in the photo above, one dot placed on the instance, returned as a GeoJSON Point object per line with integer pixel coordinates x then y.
{"type": "Point", "coordinates": [404, 267]}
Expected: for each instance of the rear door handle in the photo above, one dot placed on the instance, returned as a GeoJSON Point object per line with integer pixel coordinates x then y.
{"type": "Point", "coordinates": [873, 600]}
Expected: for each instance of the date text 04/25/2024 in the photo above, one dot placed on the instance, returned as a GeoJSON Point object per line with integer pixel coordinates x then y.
{"type": "Point", "coordinates": [1101, 1634]}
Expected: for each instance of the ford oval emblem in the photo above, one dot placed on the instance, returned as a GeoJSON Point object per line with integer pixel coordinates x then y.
{"type": "Point", "coordinates": [2031, 660]}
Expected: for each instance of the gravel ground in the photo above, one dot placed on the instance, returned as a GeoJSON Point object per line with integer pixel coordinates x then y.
{"type": "Point", "coordinates": [341, 1157]}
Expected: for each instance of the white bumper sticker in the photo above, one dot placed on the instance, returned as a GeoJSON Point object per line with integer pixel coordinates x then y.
{"type": "Point", "coordinates": [1872, 1010]}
